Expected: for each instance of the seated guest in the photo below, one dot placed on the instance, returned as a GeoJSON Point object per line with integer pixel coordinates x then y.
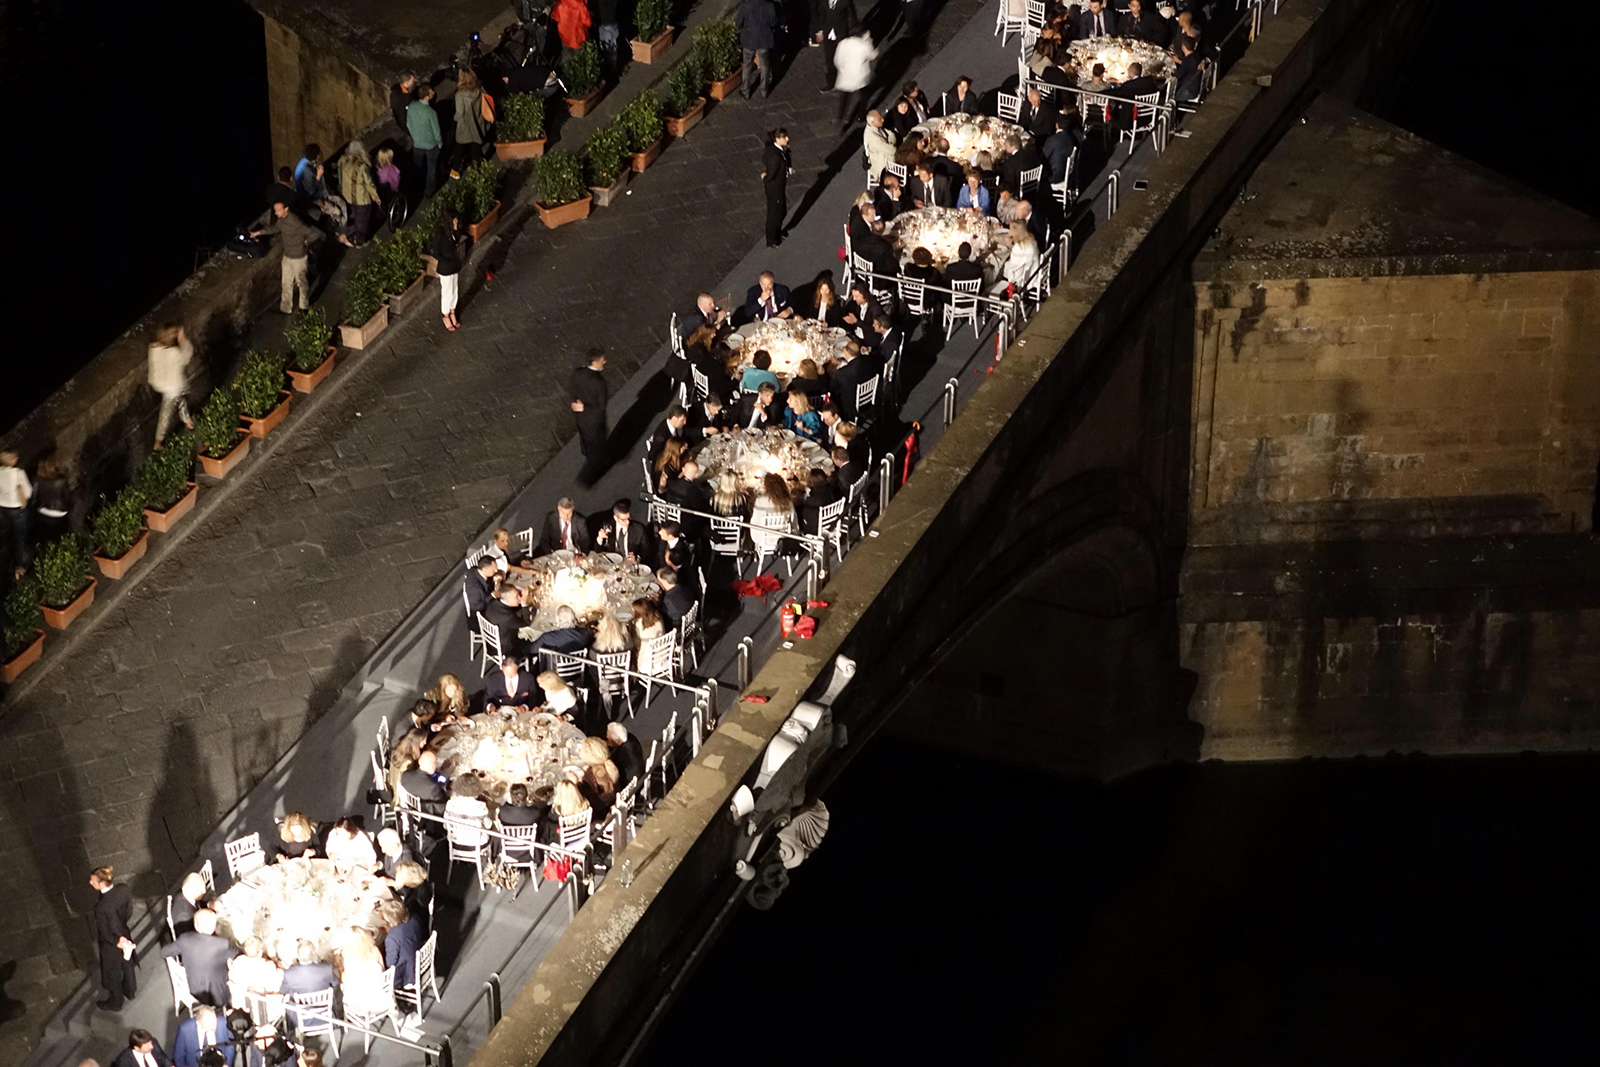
{"type": "Point", "coordinates": [203, 1029]}
{"type": "Point", "coordinates": [518, 810]}
{"type": "Point", "coordinates": [910, 153]}
{"type": "Point", "coordinates": [755, 411]}
{"type": "Point", "coordinates": [826, 306]}
{"type": "Point", "coordinates": [676, 599]}
{"type": "Point", "coordinates": [846, 471]}
{"type": "Point", "coordinates": [403, 935]}
{"type": "Point", "coordinates": [610, 635]}
{"type": "Point", "coordinates": [566, 801]}
{"type": "Point", "coordinates": [922, 270]}
{"type": "Point", "coordinates": [480, 585]}
{"type": "Point", "coordinates": [348, 845]}
{"type": "Point", "coordinates": [862, 214]}
{"type": "Point", "coordinates": [1097, 22]}
{"type": "Point", "coordinates": [1136, 85]}
{"type": "Point", "coordinates": [427, 787]}
{"type": "Point", "coordinates": [182, 907]}
{"type": "Point", "coordinates": [1191, 71]}
{"type": "Point", "coordinates": [251, 973]}
{"type": "Point", "coordinates": [962, 268]}
{"type": "Point", "coordinates": [671, 429]}
{"type": "Point", "coordinates": [669, 462]}
{"type": "Point", "coordinates": [687, 491]}
{"type": "Point", "coordinates": [1059, 146]}
{"type": "Point", "coordinates": [820, 492]}
{"type": "Point", "coordinates": [891, 339]}
{"type": "Point", "coordinates": [564, 528]}
{"type": "Point", "coordinates": [1033, 220]}
{"type": "Point", "coordinates": [307, 975]}
{"type": "Point", "coordinates": [411, 886]}
{"type": "Point", "coordinates": [567, 636]}
{"type": "Point", "coordinates": [1023, 157]}
{"type": "Point", "coordinates": [1096, 82]}
{"type": "Point", "coordinates": [1036, 115]}
{"type": "Point", "coordinates": [449, 697]}
{"type": "Point", "coordinates": [930, 190]}
{"type": "Point", "coordinates": [674, 553]}
{"type": "Point", "coordinates": [767, 300]}
{"type": "Point", "coordinates": [774, 511]}
{"type": "Point", "coordinates": [852, 441]}
{"type": "Point", "coordinates": [1143, 25]}
{"type": "Point", "coordinates": [875, 248]}
{"type": "Point", "coordinates": [425, 715]}
{"type": "Point", "coordinates": [861, 368]}
{"type": "Point", "coordinates": [626, 753]}
{"type": "Point", "coordinates": [1021, 263]}
{"type": "Point", "coordinates": [505, 615]}
{"type": "Point", "coordinates": [901, 118]}
{"type": "Point", "coordinates": [973, 194]}
{"type": "Point", "coordinates": [705, 314]}
{"type": "Point", "coordinates": [205, 957]}
{"type": "Point", "coordinates": [758, 373]}
{"type": "Point", "coordinates": [143, 1049]}
{"type": "Point", "coordinates": [620, 534]}
{"type": "Point", "coordinates": [799, 417]}
{"type": "Point", "coordinates": [392, 852]}
{"type": "Point", "coordinates": [296, 837]}
{"type": "Point", "coordinates": [467, 811]}
{"type": "Point", "coordinates": [890, 199]}
{"type": "Point", "coordinates": [861, 312]}
{"type": "Point", "coordinates": [831, 420]}
{"type": "Point", "coordinates": [730, 498]}
{"type": "Point", "coordinates": [361, 964]}
{"type": "Point", "coordinates": [559, 697]}
{"type": "Point", "coordinates": [1005, 206]}
{"type": "Point", "coordinates": [599, 779]}
{"type": "Point", "coordinates": [706, 417]}
{"type": "Point", "coordinates": [946, 167]}
{"type": "Point", "coordinates": [961, 100]}
{"type": "Point", "coordinates": [499, 550]}
{"type": "Point", "coordinates": [647, 621]}
{"type": "Point", "coordinates": [403, 756]}
{"type": "Point", "coordinates": [810, 381]}
{"type": "Point", "coordinates": [877, 143]}
{"type": "Point", "coordinates": [511, 688]}
{"type": "Point", "coordinates": [913, 94]}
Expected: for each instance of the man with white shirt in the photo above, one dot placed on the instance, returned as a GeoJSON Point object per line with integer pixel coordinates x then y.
{"type": "Point", "coordinates": [143, 1051]}
{"type": "Point", "coordinates": [203, 1030]}
{"type": "Point", "coordinates": [564, 529]}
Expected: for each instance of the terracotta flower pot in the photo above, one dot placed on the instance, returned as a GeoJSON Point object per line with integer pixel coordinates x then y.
{"type": "Point", "coordinates": [22, 660]}
{"type": "Point", "coordinates": [162, 521]}
{"type": "Point", "coordinates": [579, 106]}
{"type": "Point", "coordinates": [565, 213]}
{"type": "Point", "coordinates": [269, 422]}
{"type": "Point", "coordinates": [650, 51]}
{"type": "Point", "coordinates": [61, 618]}
{"type": "Point", "coordinates": [512, 150]}
{"type": "Point", "coordinates": [642, 160]}
{"type": "Point", "coordinates": [603, 197]}
{"type": "Point", "coordinates": [219, 468]}
{"type": "Point", "coordinates": [306, 381]}
{"type": "Point", "coordinates": [401, 303]}
{"type": "Point", "coordinates": [680, 126]}
{"type": "Point", "coordinates": [359, 337]}
{"type": "Point", "coordinates": [721, 90]}
{"type": "Point", "coordinates": [476, 230]}
{"type": "Point", "coordinates": [119, 567]}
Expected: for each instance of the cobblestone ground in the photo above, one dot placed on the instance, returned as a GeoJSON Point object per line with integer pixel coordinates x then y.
{"type": "Point", "coordinates": [178, 702]}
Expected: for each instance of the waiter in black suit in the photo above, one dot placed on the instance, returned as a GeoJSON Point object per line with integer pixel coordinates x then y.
{"type": "Point", "coordinates": [564, 528]}
{"type": "Point", "coordinates": [836, 20]}
{"type": "Point", "coordinates": [112, 907]}
{"type": "Point", "coordinates": [775, 171]}
{"type": "Point", "coordinates": [589, 396]}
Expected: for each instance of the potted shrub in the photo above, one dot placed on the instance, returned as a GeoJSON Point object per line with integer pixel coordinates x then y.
{"type": "Point", "coordinates": [400, 268]}
{"type": "Point", "coordinates": [641, 120]}
{"type": "Point", "coordinates": [519, 127]}
{"type": "Point", "coordinates": [365, 312]}
{"type": "Point", "coordinates": [680, 95]}
{"type": "Point", "coordinates": [222, 444]}
{"type": "Point", "coordinates": [263, 401]}
{"type": "Point", "coordinates": [311, 350]}
{"type": "Point", "coordinates": [651, 33]}
{"type": "Point", "coordinates": [118, 531]}
{"type": "Point", "coordinates": [66, 589]}
{"type": "Point", "coordinates": [478, 204]}
{"type": "Point", "coordinates": [716, 46]}
{"type": "Point", "coordinates": [21, 628]}
{"type": "Point", "coordinates": [605, 163]}
{"type": "Point", "coordinates": [562, 198]}
{"type": "Point", "coordinates": [164, 485]}
{"type": "Point", "coordinates": [580, 70]}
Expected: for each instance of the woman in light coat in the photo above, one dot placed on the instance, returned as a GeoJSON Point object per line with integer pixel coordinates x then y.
{"type": "Point", "coordinates": [1022, 262]}
{"type": "Point", "coordinates": [470, 124]}
{"type": "Point", "coordinates": [169, 359]}
{"type": "Point", "coordinates": [359, 191]}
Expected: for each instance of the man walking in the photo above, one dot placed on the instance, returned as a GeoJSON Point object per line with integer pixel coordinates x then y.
{"type": "Point", "coordinates": [854, 61]}
{"type": "Point", "coordinates": [835, 20]}
{"type": "Point", "coordinates": [758, 22]}
{"type": "Point", "coordinates": [294, 237]}
{"type": "Point", "coordinates": [112, 907]}
{"type": "Point", "coordinates": [169, 357]}
{"type": "Point", "coordinates": [589, 396]}
{"type": "Point", "coordinates": [422, 123]}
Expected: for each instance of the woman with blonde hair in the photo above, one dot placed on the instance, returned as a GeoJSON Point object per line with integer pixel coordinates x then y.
{"type": "Point", "coordinates": [773, 512]}
{"type": "Point", "coordinates": [405, 753]}
{"type": "Point", "coordinates": [359, 191]}
{"type": "Point", "coordinates": [296, 837]}
{"type": "Point", "coordinates": [799, 416]}
{"type": "Point", "coordinates": [1023, 261]}
{"type": "Point", "coordinates": [592, 750]}
{"type": "Point", "coordinates": [559, 699]}
{"type": "Point", "coordinates": [567, 800]}
{"type": "Point", "coordinates": [729, 497]}
{"type": "Point", "coordinates": [251, 974]}
{"type": "Point", "coordinates": [610, 635]}
{"type": "Point", "coordinates": [669, 463]}
{"type": "Point", "coordinates": [809, 378]}
{"type": "Point", "coordinates": [470, 123]}
{"type": "Point", "coordinates": [599, 785]}
{"type": "Point", "coordinates": [450, 695]}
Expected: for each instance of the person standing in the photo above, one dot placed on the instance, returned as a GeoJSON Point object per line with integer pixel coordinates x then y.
{"type": "Point", "coordinates": [143, 1051]}
{"type": "Point", "coordinates": [775, 171]}
{"type": "Point", "coordinates": [295, 236]}
{"type": "Point", "coordinates": [359, 191]}
{"type": "Point", "coordinates": [853, 60]}
{"type": "Point", "coordinates": [52, 502]}
{"type": "Point", "coordinates": [758, 22]}
{"type": "Point", "coordinates": [112, 908]}
{"type": "Point", "coordinates": [835, 20]}
{"type": "Point", "coordinates": [589, 397]}
{"type": "Point", "coordinates": [169, 357]}
{"type": "Point", "coordinates": [446, 249]}
{"type": "Point", "coordinates": [400, 96]}
{"type": "Point", "coordinates": [603, 16]}
{"type": "Point", "coordinates": [426, 139]}
{"type": "Point", "coordinates": [15, 492]}
{"type": "Point", "coordinates": [470, 123]}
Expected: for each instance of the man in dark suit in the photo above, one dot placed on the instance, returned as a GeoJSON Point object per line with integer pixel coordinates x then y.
{"type": "Point", "coordinates": [1097, 21]}
{"type": "Point", "coordinates": [1037, 115]}
{"type": "Point", "coordinates": [620, 534]}
{"type": "Point", "coordinates": [1190, 72]}
{"type": "Point", "coordinates": [1136, 85]}
{"type": "Point", "coordinates": [671, 429]}
{"type": "Point", "coordinates": [833, 21]}
{"type": "Point", "coordinates": [506, 616]}
{"type": "Point", "coordinates": [564, 528]}
{"type": "Point", "coordinates": [205, 957]}
{"type": "Point", "coordinates": [676, 597]}
{"type": "Point", "coordinates": [1144, 25]}
{"type": "Point", "coordinates": [757, 410]}
{"type": "Point", "coordinates": [479, 586]}
{"type": "Point", "coordinates": [626, 753]}
{"type": "Point", "coordinates": [202, 1030]}
{"type": "Point", "coordinates": [513, 687]}
{"type": "Point", "coordinates": [143, 1051]}
{"type": "Point", "coordinates": [1033, 220]}
{"type": "Point", "coordinates": [962, 268]}
{"type": "Point", "coordinates": [705, 313]}
{"type": "Point", "coordinates": [860, 312]}
{"type": "Point", "coordinates": [846, 378]}
{"type": "Point", "coordinates": [1022, 157]}
{"type": "Point", "coordinates": [687, 491]}
{"type": "Point", "coordinates": [1059, 146]}
{"type": "Point", "coordinates": [706, 417]}
{"type": "Point", "coordinates": [890, 200]}
{"type": "Point", "coordinates": [589, 397]}
{"type": "Point", "coordinates": [859, 222]}
{"type": "Point", "coordinates": [308, 975]}
{"type": "Point", "coordinates": [846, 471]}
{"type": "Point", "coordinates": [820, 492]}
{"type": "Point", "coordinates": [875, 248]}
{"type": "Point", "coordinates": [673, 550]}
{"type": "Point", "coordinates": [767, 299]}
{"type": "Point", "coordinates": [401, 941]}
{"type": "Point", "coordinates": [931, 190]}
{"type": "Point", "coordinates": [422, 782]}
{"type": "Point", "coordinates": [566, 636]}
{"type": "Point", "coordinates": [518, 810]}
{"type": "Point", "coordinates": [112, 907]}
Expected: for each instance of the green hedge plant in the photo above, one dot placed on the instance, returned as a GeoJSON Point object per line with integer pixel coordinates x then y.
{"type": "Point", "coordinates": [560, 178]}
{"type": "Point", "coordinates": [480, 185]}
{"type": "Point", "coordinates": [399, 261]}
{"type": "Point", "coordinates": [605, 155]}
{"type": "Point", "coordinates": [120, 520]}
{"type": "Point", "coordinates": [520, 117]}
{"type": "Point", "coordinates": [363, 293]}
{"type": "Point", "coordinates": [580, 70]}
{"type": "Point", "coordinates": [641, 119]}
{"type": "Point", "coordinates": [650, 18]}
{"type": "Point", "coordinates": [309, 335]}
{"type": "Point", "coordinates": [258, 383]}
{"type": "Point", "coordinates": [163, 477]}
{"type": "Point", "coordinates": [716, 44]}
{"type": "Point", "coordinates": [217, 425]}
{"type": "Point", "coordinates": [62, 567]}
{"type": "Point", "coordinates": [681, 91]}
{"type": "Point", "coordinates": [22, 619]}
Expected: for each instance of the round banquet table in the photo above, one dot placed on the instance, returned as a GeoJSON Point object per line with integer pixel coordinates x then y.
{"type": "Point", "coordinates": [532, 749]}
{"type": "Point", "coordinates": [298, 900]}
{"type": "Point", "coordinates": [787, 341]}
{"type": "Point", "coordinates": [970, 134]}
{"type": "Point", "coordinates": [589, 584]}
{"type": "Point", "coordinates": [1118, 53]}
{"type": "Point", "coordinates": [941, 230]}
{"type": "Point", "coordinates": [753, 454]}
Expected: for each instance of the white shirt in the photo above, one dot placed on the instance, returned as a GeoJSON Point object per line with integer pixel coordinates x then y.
{"type": "Point", "coordinates": [853, 59]}
{"type": "Point", "coordinates": [566, 534]}
{"type": "Point", "coordinates": [146, 1059]}
{"type": "Point", "coordinates": [15, 489]}
{"type": "Point", "coordinates": [167, 363]}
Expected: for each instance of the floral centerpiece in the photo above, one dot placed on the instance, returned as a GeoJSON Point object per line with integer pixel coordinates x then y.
{"type": "Point", "coordinates": [788, 341]}
{"type": "Point", "coordinates": [1118, 54]}
{"type": "Point", "coordinates": [941, 230]}
{"type": "Point", "coordinates": [755, 454]}
{"type": "Point", "coordinates": [970, 134]}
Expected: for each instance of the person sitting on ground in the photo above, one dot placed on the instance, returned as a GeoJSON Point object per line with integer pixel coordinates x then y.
{"type": "Point", "coordinates": [800, 418]}
{"type": "Point", "coordinates": [349, 845]}
{"type": "Point", "coordinates": [677, 599]}
{"type": "Point", "coordinates": [767, 300]}
{"type": "Point", "coordinates": [1021, 263]}
{"type": "Point", "coordinates": [760, 371]}
{"type": "Point", "coordinates": [189, 899]}
{"type": "Point", "coordinates": [565, 529]}
{"type": "Point", "coordinates": [559, 697]}
{"type": "Point", "coordinates": [467, 812]}
{"type": "Point", "coordinates": [626, 753]}
{"type": "Point", "coordinates": [730, 498]}
{"type": "Point", "coordinates": [610, 635]}
{"type": "Point", "coordinates": [506, 617]}
{"type": "Point", "coordinates": [296, 837]}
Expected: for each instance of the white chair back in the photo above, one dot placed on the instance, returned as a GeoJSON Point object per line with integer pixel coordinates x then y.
{"type": "Point", "coordinates": [1028, 180]}
{"type": "Point", "coordinates": [702, 384]}
{"type": "Point", "coordinates": [368, 1006]}
{"type": "Point", "coordinates": [656, 653]}
{"type": "Point", "coordinates": [405, 808]}
{"type": "Point", "coordinates": [915, 295]}
{"type": "Point", "coordinates": [209, 877]}
{"type": "Point", "coordinates": [517, 849]}
{"type": "Point", "coordinates": [830, 517]}
{"type": "Point", "coordinates": [661, 511]}
{"type": "Point", "coordinates": [574, 829]}
{"type": "Point", "coordinates": [476, 556]}
{"type": "Point", "coordinates": [899, 170]}
{"type": "Point", "coordinates": [1009, 105]}
{"type": "Point", "coordinates": [311, 1014]}
{"type": "Point", "coordinates": [963, 306]}
{"type": "Point", "coordinates": [613, 682]}
{"type": "Point", "coordinates": [182, 999]}
{"type": "Point", "coordinates": [727, 538]}
{"type": "Point", "coordinates": [525, 541]}
{"type": "Point", "coordinates": [489, 638]}
{"type": "Point", "coordinates": [861, 269]}
{"type": "Point", "coordinates": [1035, 14]}
{"type": "Point", "coordinates": [867, 394]}
{"type": "Point", "coordinates": [244, 855]}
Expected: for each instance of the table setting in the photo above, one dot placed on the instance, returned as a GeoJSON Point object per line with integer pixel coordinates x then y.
{"type": "Point", "coordinates": [310, 899]}
{"type": "Point", "coordinates": [589, 584]}
{"type": "Point", "coordinates": [532, 749]}
{"type": "Point", "coordinates": [788, 341]}
{"type": "Point", "coordinates": [1119, 53]}
{"type": "Point", "coordinates": [753, 454]}
{"type": "Point", "coordinates": [970, 134]}
{"type": "Point", "coordinates": [941, 230]}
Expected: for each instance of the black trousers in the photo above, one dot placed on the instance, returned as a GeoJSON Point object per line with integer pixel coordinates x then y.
{"type": "Point", "coordinates": [830, 73]}
{"type": "Point", "coordinates": [592, 443]}
{"type": "Point", "coordinates": [777, 208]}
{"type": "Point", "coordinates": [118, 976]}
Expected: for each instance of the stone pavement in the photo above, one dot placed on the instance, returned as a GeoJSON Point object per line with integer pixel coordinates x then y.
{"type": "Point", "coordinates": [174, 705]}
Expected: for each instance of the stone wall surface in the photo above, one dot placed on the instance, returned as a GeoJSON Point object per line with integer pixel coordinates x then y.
{"type": "Point", "coordinates": [316, 95]}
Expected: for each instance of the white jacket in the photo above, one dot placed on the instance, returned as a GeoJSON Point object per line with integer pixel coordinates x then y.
{"type": "Point", "coordinates": [878, 143]}
{"type": "Point", "coordinates": [853, 58]}
{"type": "Point", "coordinates": [167, 365]}
{"type": "Point", "coordinates": [1021, 264]}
